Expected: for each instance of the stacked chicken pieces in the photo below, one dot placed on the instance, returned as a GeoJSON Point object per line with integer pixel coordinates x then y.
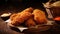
{"type": "Point", "coordinates": [29, 17]}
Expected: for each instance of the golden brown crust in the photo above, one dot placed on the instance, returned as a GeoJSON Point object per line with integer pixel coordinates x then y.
{"type": "Point", "coordinates": [22, 16]}
{"type": "Point", "coordinates": [30, 22]}
{"type": "Point", "coordinates": [13, 16]}
{"type": "Point", "coordinates": [30, 19]}
{"type": "Point", "coordinates": [39, 16]}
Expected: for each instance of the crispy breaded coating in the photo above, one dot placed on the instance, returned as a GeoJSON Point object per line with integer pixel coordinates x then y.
{"type": "Point", "coordinates": [39, 16]}
{"type": "Point", "coordinates": [22, 16]}
{"type": "Point", "coordinates": [13, 16]}
{"type": "Point", "coordinates": [30, 22]}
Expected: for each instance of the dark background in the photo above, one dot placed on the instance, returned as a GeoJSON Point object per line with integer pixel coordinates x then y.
{"type": "Point", "coordinates": [19, 5]}
{"type": "Point", "coordinates": [22, 3]}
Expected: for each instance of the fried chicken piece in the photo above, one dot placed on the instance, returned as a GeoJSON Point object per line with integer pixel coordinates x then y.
{"type": "Point", "coordinates": [13, 16]}
{"type": "Point", "coordinates": [30, 22]}
{"type": "Point", "coordinates": [22, 16]}
{"type": "Point", "coordinates": [39, 16]}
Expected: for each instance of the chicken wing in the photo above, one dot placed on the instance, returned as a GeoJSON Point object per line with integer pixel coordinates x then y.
{"type": "Point", "coordinates": [39, 16]}
{"type": "Point", "coordinates": [22, 16]}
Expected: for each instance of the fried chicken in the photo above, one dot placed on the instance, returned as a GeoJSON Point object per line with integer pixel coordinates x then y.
{"type": "Point", "coordinates": [39, 16]}
{"type": "Point", "coordinates": [22, 16]}
{"type": "Point", "coordinates": [30, 22]}
{"type": "Point", "coordinates": [30, 17]}
{"type": "Point", "coordinates": [13, 16]}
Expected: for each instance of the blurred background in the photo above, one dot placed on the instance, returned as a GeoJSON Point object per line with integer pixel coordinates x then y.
{"type": "Point", "coordinates": [18, 5]}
